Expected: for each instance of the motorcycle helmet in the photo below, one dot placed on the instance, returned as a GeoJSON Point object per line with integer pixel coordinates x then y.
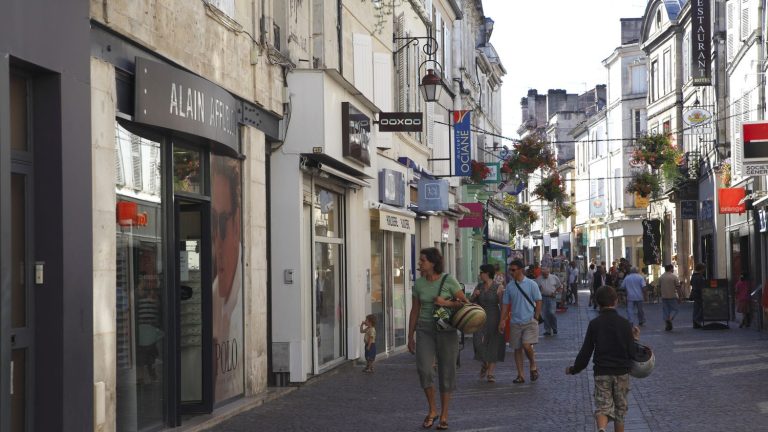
{"type": "Point", "coordinates": [642, 362]}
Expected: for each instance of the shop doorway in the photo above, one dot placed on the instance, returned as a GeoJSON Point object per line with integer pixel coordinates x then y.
{"type": "Point", "coordinates": [192, 294]}
{"type": "Point", "coordinates": [388, 294]}
{"type": "Point", "coordinates": [21, 300]}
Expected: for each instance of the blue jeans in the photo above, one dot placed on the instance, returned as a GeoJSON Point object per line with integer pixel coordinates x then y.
{"type": "Point", "coordinates": [670, 309]}
{"type": "Point", "coordinates": [549, 305]}
{"type": "Point", "coordinates": [631, 305]}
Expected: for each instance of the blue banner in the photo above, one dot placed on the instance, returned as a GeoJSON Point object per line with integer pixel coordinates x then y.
{"type": "Point", "coordinates": [462, 144]}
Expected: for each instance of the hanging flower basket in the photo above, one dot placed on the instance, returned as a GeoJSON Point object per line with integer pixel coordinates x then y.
{"type": "Point", "coordinates": [551, 189]}
{"type": "Point", "coordinates": [725, 174]}
{"type": "Point", "coordinates": [644, 184]}
{"type": "Point", "coordinates": [655, 151]}
{"type": "Point", "coordinates": [480, 171]}
{"type": "Point", "coordinates": [565, 210]}
{"type": "Point", "coordinates": [526, 213]}
{"type": "Point", "coordinates": [529, 155]}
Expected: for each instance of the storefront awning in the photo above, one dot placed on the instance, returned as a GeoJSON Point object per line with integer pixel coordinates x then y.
{"type": "Point", "coordinates": [497, 245]}
{"type": "Point", "coordinates": [336, 168]}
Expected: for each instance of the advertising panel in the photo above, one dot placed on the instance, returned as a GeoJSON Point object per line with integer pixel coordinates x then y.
{"type": "Point", "coordinates": [651, 241]}
{"type": "Point", "coordinates": [355, 134]}
{"type": "Point", "coordinates": [462, 143]}
{"type": "Point", "coordinates": [474, 219]}
{"type": "Point", "coordinates": [729, 199]}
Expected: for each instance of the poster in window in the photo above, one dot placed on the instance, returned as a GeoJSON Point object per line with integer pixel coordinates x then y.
{"type": "Point", "coordinates": [226, 218]}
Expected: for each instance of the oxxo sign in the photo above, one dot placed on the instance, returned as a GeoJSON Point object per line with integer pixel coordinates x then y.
{"type": "Point", "coordinates": [401, 122]}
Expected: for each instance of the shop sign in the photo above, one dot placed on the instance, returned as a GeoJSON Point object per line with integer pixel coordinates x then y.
{"type": "Point", "coordinates": [651, 241]}
{"type": "Point", "coordinates": [689, 209]}
{"type": "Point", "coordinates": [731, 200]}
{"type": "Point", "coordinates": [495, 174]}
{"type": "Point", "coordinates": [498, 230]}
{"type": "Point", "coordinates": [755, 150]}
{"type": "Point", "coordinates": [697, 117]}
{"type": "Point", "coordinates": [401, 122]}
{"type": "Point", "coordinates": [641, 201]}
{"type": "Point", "coordinates": [462, 143]}
{"type": "Point", "coordinates": [446, 229]}
{"type": "Point", "coordinates": [762, 221]}
{"type": "Point", "coordinates": [174, 99]}
{"type": "Point", "coordinates": [393, 222]}
{"type": "Point", "coordinates": [355, 134]}
{"type": "Point", "coordinates": [701, 43]}
{"type": "Point", "coordinates": [391, 187]}
{"type": "Point", "coordinates": [433, 195]}
{"type": "Point", "coordinates": [475, 218]}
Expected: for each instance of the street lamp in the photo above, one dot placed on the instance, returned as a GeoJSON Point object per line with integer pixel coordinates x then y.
{"type": "Point", "coordinates": [431, 86]}
{"type": "Point", "coordinates": [431, 83]}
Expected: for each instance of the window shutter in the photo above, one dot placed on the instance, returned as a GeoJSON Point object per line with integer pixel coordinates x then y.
{"type": "Point", "coordinates": [136, 162]}
{"type": "Point", "coordinates": [119, 172]}
{"type": "Point", "coordinates": [745, 30]}
{"type": "Point", "coordinates": [730, 47]}
{"type": "Point", "coordinates": [363, 61]}
{"type": "Point", "coordinates": [402, 72]}
{"type": "Point", "coordinates": [448, 46]}
{"type": "Point", "coordinates": [440, 149]}
{"type": "Point", "coordinates": [736, 156]}
{"type": "Point", "coordinates": [154, 172]}
{"type": "Point", "coordinates": [382, 93]}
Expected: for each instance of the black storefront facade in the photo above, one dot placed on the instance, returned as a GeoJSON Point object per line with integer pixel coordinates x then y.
{"type": "Point", "coordinates": [183, 147]}
{"type": "Point", "coordinates": [46, 361]}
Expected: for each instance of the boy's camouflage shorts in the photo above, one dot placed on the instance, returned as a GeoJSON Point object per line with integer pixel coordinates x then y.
{"type": "Point", "coordinates": [611, 396]}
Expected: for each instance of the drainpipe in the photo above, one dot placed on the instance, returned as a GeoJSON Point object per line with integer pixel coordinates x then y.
{"type": "Point", "coordinates": [760, 60]}
{"type": "Point", "coordinates": [339, 36]}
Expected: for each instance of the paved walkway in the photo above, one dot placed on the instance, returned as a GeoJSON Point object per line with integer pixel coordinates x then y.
{"type": "Point", "coordinates": [704, 381]}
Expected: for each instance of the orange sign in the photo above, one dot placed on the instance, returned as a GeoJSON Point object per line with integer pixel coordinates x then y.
{"type": "Point", "coordinates": [729, 199]}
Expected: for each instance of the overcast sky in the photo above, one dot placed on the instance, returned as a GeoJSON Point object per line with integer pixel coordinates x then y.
{"type": "Point", "coordinates": [554, 44]}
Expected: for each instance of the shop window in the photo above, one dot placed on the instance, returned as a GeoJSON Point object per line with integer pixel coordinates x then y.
{"type": "Point", "coordinates": [187, 170]}
{"type": "Point", "coordinates": [140, 284]}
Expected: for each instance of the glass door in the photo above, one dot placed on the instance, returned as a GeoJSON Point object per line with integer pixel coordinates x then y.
{"type": "Point", "coordinates": [193, 296]}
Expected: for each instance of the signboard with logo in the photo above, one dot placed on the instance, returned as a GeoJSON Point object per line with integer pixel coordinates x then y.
{"type": "Point", "coordinates": [401, 122]}
{"type": "Point", "coordinates": [495, 175]}
{"type": "Point", "coordinates": [755, 139]}
{"type": "Point", "coordinates": [597, 198]}
{"type": "Point", "coordinates": [433, 195]}
{"type": "Point", "coordinates": [391, 187]}
{"type": "Point", "coordinates": [706, 214]}
{"type": "Point", "coordinates": [475, 218]}
{"type": "Point", "coordinates": [389, 221]}
{"type": "Point", "coordinates": [355, 134]}
{"type": "Point", "coordinates": [651, 241]}
{"type": "Point", "coordinates": [462, 143]}
{"type": "Point", "coordinates": [729, 199]}
{"type": "Point", "coordinates": [689, 209]}
{"type": "Point", "coordinates": [697, 121]}
{"type": "Point", "coordinates": [641, 201]}
{"type": "Point", "coordinates": [498, 229]}
{"type": "Point", "coordinates": [701, 43]}
{"type": "Point", "coordinates": [174, 99]}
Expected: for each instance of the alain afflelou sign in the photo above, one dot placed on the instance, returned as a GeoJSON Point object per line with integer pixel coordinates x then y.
{"type": "Point", "coordinates": [701, 43]}
{"type": "Point", "coordinates": [174, 99]}
{"type": "Point", "coordinates": [401, 122]}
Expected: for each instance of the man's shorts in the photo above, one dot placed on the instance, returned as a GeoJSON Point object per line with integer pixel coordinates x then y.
{"type": "Point", "coordinates": [523, 333]}
{"type": "Point", "coordinates": [611, 396]}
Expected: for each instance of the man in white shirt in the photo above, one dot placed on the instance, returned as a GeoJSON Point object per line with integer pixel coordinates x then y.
{"type": "Point", "coordinates": [550, 286]}
{"type": "Point", "coordinates": [573, 281]}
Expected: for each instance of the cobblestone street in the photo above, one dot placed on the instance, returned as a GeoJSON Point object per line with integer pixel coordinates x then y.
{"type": "Point", "coordinates": [705, 380]}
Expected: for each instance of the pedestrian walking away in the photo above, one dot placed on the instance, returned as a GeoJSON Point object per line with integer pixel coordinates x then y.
{"type": "Point", "coordinates": [743, 300]}
{"type": "Point", "coordinates": [488, 343]}
{"type": "Point", "coordinates": [610, 342]}
{"type": "Point", "coordinates": [634, 284]}
{"type": "Point", "coordinates": [427, 341]}
{"type": "Point", "coordinates": [522, 305]}
{"type": "Point", "coordinates": [671, 295]}
{"type": "Point", "coordinates": [573, 282]}
{"type": "Point", "coordinates": [550, 286]}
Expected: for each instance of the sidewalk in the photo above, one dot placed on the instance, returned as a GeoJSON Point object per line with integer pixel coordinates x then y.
{"type": "Point", "coordinates": [705, 380]}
